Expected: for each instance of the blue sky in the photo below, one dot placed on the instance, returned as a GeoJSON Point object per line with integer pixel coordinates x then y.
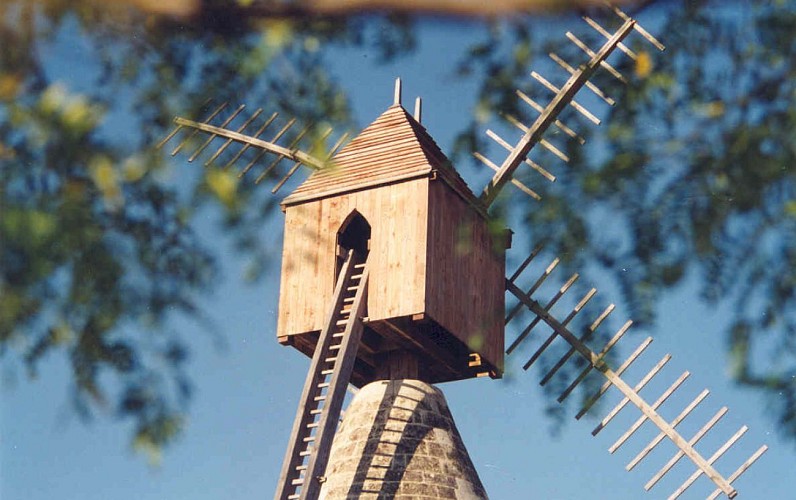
{"type": "Point", "coordinates": [246, 392]}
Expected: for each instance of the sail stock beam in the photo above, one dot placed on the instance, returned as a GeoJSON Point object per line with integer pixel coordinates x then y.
{"type": "Point", "coordinates": [292, 154]}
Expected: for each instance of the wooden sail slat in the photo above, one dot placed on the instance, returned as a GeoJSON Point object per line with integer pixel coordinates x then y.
{"type": "Point", "coordinates": [213, 136]}
{"type": "Point", "coordinates": [604, 64]}
{"type": "Point", "coordinates": [195, 130]}
{"type": "Point", "coordinates": [585, 372]}
{"type": "Point", "coordinates": [558, 123]}
{"type": "Point", "coordinates": [589, 332]}
{"type": "Point", "coordinates": [246, 147]}
{"type": "Point", "coordinates": [578, 107]}
{"type": "Point", "coordinates": [539, 281]}
{"type": "Point", "coordinates": [263, 152]}
{"type": "Point", "coordinates": [553, 149]}
{"type": "Point", "coordinates": [522, 187]}
{"type": "Point", "coordinates": [505, 145]}
{"type": "Point", "coordinates": [340, 141]}
{"type": "Point", "coordinates": [168, 137]}
{"type": "Point", "coordinates": [279, 157]}
{"type": "Point", "coordinates": [292, 170]}
{"type": "Point", "coordinates": [228, 142]}
{"type": "Point", "coordinates": [607, 385]}
{"type": "Point", "coordinates": [544, 142]}
{"type": "Point", "coordinates": [296, 165]}
{"type": "Point", "coordinates": [594, 88]}
{"type": "Point", "coordinates": [721, 451]}
{"type": "Point", "coordinates": [641, 31]}
{"type": "Point", "coordinates": [644, 381]}
{"type": "Point", "coordinates": [560, 293]}
{"type": "Point", "coordinates": [578, 307]}
{"type": "Point", "coordinates": [599, 29]}
{"type": "Point", "coordinates": [680, 454]}
{"type": "Point", "coordinates": [643, 418]}
{"type": "Point", "coordinates": [526, 262]}
{"type": "Point", "coordinates": [743, 468]}
{"type": "Point", "coordinates": [657, 439]}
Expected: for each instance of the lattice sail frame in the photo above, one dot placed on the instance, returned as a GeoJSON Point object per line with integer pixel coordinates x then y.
{"type": "Point", "coordinates": [596, 361]}
{"type": "Point", "coordinates": [237, 145]}
{"type": "Point", "coordinates": [533, 134]}
{"type": "Point", "coordinates": [579, 76]}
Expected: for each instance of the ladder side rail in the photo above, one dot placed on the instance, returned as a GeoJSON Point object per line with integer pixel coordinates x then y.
{"type": "Point", "coordinates": [627, 391]}
{"type": "Point", "coordinates": [343, 367]}
{"type": "Point", "coordinates": [551, 112]}
{"type": "Point", "coordinates": [292, 457]}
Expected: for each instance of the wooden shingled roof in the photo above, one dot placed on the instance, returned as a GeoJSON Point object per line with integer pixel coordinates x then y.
{"type": "Point", "coordinates": [394, 148]}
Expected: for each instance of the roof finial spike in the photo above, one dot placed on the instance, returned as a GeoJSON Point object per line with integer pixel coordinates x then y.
{"type": "Point", "coordinates": [397, 99]}
{"type": "Point", "coordinates": [418, 109]}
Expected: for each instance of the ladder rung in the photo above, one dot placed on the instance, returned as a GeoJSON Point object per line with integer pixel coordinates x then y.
{"type": "Point", "coordinates": [341, 322]}
{"type": "Point", "coordinates": [305, 453]}
{"type": "Point", "coordinates": [321, 386]}
{"type": "Point", "coordinates": [312, 425]}
{"type": "Point", "coordinates": [309, 439]}
{"type": "Point", "coordinates": [352, 288]}
{"type": "Point", "coordinates": [357, 276]}
{"type": "Point", "coordinates": [315, 412]}
{"type": "Point", "coordinates": [338, 335]}
{"type": "Point", "coordinates": [319, 398]}
{"type": "Point", "coordinates": [301, 468]}
{"type": "Point", "coordinates": [297, 482]}
{"type": "Point", "coordinates": [327, 372]}
{"type": "Point", "coordinates": [335, 347]}
{"type": "Point", "coordinates": [330, 360]}
{"type": "Point", "coordinates": [359, 266]}
{"type": "Point", "coordinates": [348, 300]}
{"type": "Point", "coordinates": [294, 497]}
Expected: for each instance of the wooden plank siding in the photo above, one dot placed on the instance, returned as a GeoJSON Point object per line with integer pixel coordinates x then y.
{"type": "Point", "coordinates": [397, 214]}
{"type": "Point", "coordinates": [465, 274]}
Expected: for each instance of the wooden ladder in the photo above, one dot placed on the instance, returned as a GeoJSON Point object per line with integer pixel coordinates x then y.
{"type": "Point", "coordinates": [324, 390]}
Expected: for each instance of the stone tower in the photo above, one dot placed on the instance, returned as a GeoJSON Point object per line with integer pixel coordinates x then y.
{"type": "Point", "coordinates": [398, 440]}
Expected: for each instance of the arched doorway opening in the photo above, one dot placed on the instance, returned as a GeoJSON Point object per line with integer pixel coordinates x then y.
{"type": "Point", "coordinates": [354, 234]}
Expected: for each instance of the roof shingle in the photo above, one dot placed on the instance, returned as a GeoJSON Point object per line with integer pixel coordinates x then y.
{"type": "Point", "coordinates": [393, 148]}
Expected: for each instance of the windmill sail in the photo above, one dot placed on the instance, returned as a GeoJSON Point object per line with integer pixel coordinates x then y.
{"type": "Point", "coordinates": [579, 77]}
{"type": "Point", "coordinates": [238, 146]}
{"type": "Point", "coordinates": [543, 318]}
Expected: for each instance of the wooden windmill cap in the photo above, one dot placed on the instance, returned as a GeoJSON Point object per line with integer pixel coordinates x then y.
{"type": "Point", "coordinates": [394, 148]}
{"type": "Point", "coordinates": [398, 440]}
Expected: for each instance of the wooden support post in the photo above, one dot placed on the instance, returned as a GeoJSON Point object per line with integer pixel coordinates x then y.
{"type": "Point", "coordinates": [397, 365]}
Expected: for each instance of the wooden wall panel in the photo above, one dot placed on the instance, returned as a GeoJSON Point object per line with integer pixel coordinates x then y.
{"type": "Point", "coordinates": [397, 215]}
{"type": "Point", "coordinates": [465, 286]}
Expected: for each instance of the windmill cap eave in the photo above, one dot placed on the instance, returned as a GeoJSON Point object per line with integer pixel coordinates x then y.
{"type": "Point", "coordinates": [394, 148]}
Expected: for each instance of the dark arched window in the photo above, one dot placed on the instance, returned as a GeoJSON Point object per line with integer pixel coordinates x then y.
{"type": "Point", "coordinates": [354, 234]}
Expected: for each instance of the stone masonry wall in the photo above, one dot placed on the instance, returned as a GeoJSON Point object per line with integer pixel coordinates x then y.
{"type": "Point", "coordinates": [398, 440]}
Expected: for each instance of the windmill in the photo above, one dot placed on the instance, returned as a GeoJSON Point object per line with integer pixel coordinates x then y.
{"type": "Point", "coordinates": [375, 284]}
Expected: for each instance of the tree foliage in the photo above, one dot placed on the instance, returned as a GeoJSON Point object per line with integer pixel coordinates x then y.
{"type": "Point", "coordinates": [99, 247]}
